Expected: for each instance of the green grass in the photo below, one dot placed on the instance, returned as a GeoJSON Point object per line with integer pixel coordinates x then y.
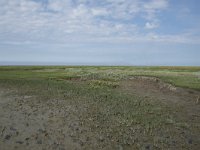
{"type": "Point", "coordinates": [122, 118]}
{"type": "Point", "coordinates": [188, 77]}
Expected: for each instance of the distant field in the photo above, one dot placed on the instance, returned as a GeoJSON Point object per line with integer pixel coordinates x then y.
{"type": "Point", "coordinates": [179, 76]}
{"type": "Point", "coordinates": [89, 107]}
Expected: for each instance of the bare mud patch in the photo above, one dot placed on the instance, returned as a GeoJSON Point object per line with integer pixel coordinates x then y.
{"type": "Point", "coordinates": [30, 123]}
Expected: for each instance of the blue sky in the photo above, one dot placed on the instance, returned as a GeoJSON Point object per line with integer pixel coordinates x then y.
{"type": "Point", "coordinates": [100, 32]}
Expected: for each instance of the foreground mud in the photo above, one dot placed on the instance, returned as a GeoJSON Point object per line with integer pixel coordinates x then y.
{"type": "Point", "coordinates": [29, 122]}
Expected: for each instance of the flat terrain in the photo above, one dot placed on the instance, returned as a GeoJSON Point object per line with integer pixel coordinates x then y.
{"type": "Point", "coordinates": [72, 108]}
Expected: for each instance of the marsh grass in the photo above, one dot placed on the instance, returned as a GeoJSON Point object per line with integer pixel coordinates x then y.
{"type": "Point", "coordinates": [103, 84]}
{"type": "Point", "coordinates": [121, 118]}
{"type": "Point", "coordinates": [178, 76]}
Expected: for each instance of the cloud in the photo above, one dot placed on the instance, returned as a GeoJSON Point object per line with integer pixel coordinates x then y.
{"type": "Point", "coordinates": [153, 7]}
{"type": "Point", "coordinates": [156, 5]}
{"type": "Point", "coordinates": [72, 21]}
{"type": "Point", "coordinates": [99, 12]}
{"type": "Point", "coordinates": [58, 5]}
{"type": "Point", "coordinates": [151, 25]}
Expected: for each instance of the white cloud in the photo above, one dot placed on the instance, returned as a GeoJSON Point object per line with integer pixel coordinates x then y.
{"type": "Point", "coordinates": [156, 4]}
{"type": "Point", "coordinates": [81, 20]}
{"type": "Point", "coordinates": [58, 5]}
{"type": "Point", "coordinates": [151, 25]}
{"type": "Point", "coordinates": [153, 7]}
{"type": "Point", "coordinates": [99, 12]}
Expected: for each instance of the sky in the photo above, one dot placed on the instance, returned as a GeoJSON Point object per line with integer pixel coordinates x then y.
{"type": "Point", "coordinates": [100, 32]}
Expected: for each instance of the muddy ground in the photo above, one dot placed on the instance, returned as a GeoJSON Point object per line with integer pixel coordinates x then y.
{"type": "Point", "coordinates": [29, 123]}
